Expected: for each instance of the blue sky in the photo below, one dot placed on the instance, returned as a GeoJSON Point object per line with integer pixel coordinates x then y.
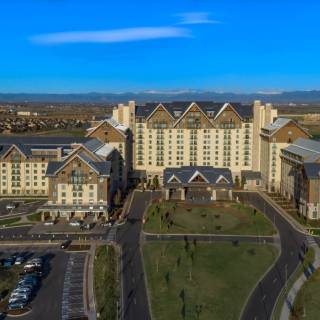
{"type": "Point", "coordinates": [125, 45]}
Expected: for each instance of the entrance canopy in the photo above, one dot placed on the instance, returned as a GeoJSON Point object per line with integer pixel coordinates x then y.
{"type": "Point", "coordinates": [198, 178]}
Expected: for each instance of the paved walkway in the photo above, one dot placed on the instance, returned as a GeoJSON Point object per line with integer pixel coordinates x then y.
{"type": "Point", "coordinates": [289, 302]}
{"type": "Point", "coordinates": [90, 284]}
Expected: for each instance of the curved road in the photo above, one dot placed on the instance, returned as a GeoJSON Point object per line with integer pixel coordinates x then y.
{"type": "Point", "coordinates": [264, 296]}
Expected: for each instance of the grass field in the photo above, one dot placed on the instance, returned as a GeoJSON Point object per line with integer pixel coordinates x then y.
{"type": "Point", "coordinates": [203, 281]}
{"type": "Point", "coordinates": [105, 282]}
{"type": "Point", "coordinates": [9, 221]}
{"type": "Point", "coordinates": [225, 218]}
{"type": "Point", "coordinates": [8, 280]}
{"type": "Point", "coordinates": [307, 302]}
{"type": "Point", "coordinates": [35, 217]}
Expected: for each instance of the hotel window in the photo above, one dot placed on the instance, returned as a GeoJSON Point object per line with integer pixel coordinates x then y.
{"type": "Point", "coordinates": [63, 194]}
{"type": "Point", "coordinates": [3, 165]}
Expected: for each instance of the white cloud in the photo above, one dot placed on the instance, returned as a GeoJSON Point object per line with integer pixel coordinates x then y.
{"type": "Point", "coordinates": [111, 36]}
{"type": "Point", "coordinates": [196, 18]}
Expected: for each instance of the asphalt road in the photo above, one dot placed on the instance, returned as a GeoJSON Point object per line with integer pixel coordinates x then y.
{"type": "Point", "coordinates": [264, 296]}
{"type": "Point", "coordinates": [21, 209]}
{"type": "Point", "coordinates": [134, 296]}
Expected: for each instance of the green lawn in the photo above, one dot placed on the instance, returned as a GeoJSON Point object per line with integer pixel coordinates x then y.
{"type": "Point", "coordinates": [9, 221]}
{"type": "Point", "coordinates": [106, 282]}
{"type": "Point", "coordinates": [307, 302]}
{"type": "Point", "coordinates": [35, 217]}
{"type": "Point", "coordinates": [201, 280]}
{"type": "Point", "coordinates": [8, 280]}
{"type": "Point", "coordinates": [222, 218]}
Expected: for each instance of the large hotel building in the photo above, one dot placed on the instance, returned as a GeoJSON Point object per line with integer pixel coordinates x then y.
{"type": "Point", "coordinates": [223, 135]}
{"type": "Point", "coordinates": [183, 146]}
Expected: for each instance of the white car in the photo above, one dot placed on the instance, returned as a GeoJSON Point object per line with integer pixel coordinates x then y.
{"type": "Point", "coordinates": [49, 223]}
{"type": "Point", "coordinates": [19, 260]}
{"type": "Point", "coordinates": [10, 206]}
{"type": "Point", "coordinates": [74, 223]}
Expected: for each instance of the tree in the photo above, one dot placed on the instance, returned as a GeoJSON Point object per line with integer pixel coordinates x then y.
{"type": "Point", "coordinates": [243, 181]}
{"type": "Point", "coordinates": [155, 182]}
{"type": "Point", "coordinates": [143, 181]}
{"type": "Point", "coordinates": [117, 197]}
{"type": "Point", "coordinates": [237, 181]}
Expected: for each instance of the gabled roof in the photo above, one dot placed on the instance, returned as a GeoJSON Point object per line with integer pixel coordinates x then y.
{"type": "Point", "coordinates": [308, 149]}
{"type": "Point", "coordinates": [105, 150]}
{"type": "Point", "coordinates": [187, 110]}
{"type": "Point", "coordinates": [102, 168]}
{"type": "Point", "coordinates": [281, 123]}
{"type": "Point", "coordinates": [245, 111]}
{"type": "Point", "coordinates": [312, 170]}
{"type": "Point", "coordinates": [226, 105]}
{"type": "Point", "coordinates": [198, 174]}
{"type": "Point", "coordinates": [210, 174]}
{"type": "Point", "coordinates": [113, 123]}
{"type": "Point", "coordinates": [156, 108]}
{"type": "Point", "coordinates": [173, 177]}
{"type": "Point", "coordinates": [18, 147]}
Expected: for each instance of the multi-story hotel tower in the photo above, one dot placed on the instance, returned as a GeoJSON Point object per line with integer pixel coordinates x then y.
{"type": "Point", "coordinates": [224, 135]}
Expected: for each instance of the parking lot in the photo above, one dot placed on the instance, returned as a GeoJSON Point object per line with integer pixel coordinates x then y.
{"type": "Point", "coordinates": [63, 226]}
{"type": "Point", "coordinates": [73, 302]}
{"type": "Point", "coordinates": [48, 300]}
{"type": "Point", "coordinates": [21, 207]}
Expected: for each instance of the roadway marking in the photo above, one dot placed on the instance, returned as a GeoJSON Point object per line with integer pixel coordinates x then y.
{"type": "Point", "coordinates": [72, 301]}
{"type": "Point", "coordinates": [274, 280]}
{"type": "Point", "coordinates": [135, 301]}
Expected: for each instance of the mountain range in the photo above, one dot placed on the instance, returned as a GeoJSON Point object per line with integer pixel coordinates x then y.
{"type": "Point", "coordinates": [285, 97]}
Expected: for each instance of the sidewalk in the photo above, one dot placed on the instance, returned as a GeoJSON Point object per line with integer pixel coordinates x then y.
{"type": "Point", "coordinates": [289, 302]}
{"type": "Point", "coordinates": [91, 306]}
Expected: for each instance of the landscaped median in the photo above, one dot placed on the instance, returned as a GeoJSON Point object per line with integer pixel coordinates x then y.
{"type": "Point", "coordinates": [307, 302]}
{"type": "Point", "coordinates": [193, 280]}
{"type": "Point", "coordinates": [308, 259]}
{"type": "Point", "coordinates": [106, 284]}
{"type": "Point", "coordinates": [218, 218]}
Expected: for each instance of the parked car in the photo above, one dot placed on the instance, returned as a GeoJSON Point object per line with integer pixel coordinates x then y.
{"type": "Point", "coordinates": [88, 226]}
{"type": "Point", "coordinates": [11, 206]}
{"type": "Point", "coordinates": [75, 223]}
{"type": "Point", "coordinates": [8, 262]}
{"type": "Point", "coordinates": [19, 260]}
{"type": "Point", "coordinates": [49, 223]}
{"type": "Point", "coordinates": [65, 244]}
{"type": "Point", "coordinates": [20, 304]}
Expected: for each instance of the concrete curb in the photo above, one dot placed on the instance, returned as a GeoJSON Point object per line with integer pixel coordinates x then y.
{"type": "Point", "coordinates": [296, 225]}
{"type": "Point", "coordinates": [208, 235]}
{"type": "Point", "coordinates": [295, 288]}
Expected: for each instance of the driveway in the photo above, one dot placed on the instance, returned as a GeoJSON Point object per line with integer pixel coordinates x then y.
{"type": "Point", "coordinates": [134, 295]}
{"type": "Point", "coordinates": [264, 296]}
{"type": "Point", "coordinates": [21, 209]}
